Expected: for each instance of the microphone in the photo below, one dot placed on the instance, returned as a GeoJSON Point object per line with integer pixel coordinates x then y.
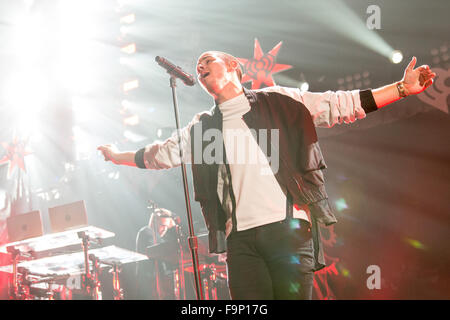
{"type": "Point", "coordinates": [176, 71]}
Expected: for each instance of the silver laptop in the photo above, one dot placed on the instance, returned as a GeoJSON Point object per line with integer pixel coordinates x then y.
{"type": "Point", "coordinates": [24, 226]}
{"type": "Point", "coordinates": [68, 216]}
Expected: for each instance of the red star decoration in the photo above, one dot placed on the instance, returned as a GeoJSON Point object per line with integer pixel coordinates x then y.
{"type": "Point", "coordinates": [260, 69]}
{"type": "Point", "coordinates": [15, 154]}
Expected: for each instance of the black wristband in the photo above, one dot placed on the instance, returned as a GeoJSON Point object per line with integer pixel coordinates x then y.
{"type": "Point", "coordinates": [139, 158]}
{"type": "Point", "coordinates": [367, 101]}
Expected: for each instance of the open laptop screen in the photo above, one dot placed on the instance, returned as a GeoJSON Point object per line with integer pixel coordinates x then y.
{"type": "Point", "coordinates": [68, 216]}
{"type": "Point", "coordinates": [24, 226]}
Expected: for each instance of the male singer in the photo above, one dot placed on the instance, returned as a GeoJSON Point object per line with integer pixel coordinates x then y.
{"type": "Point", "coordinates": [257, 171]}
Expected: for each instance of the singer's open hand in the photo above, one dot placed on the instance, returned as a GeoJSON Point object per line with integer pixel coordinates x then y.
{"type": "Point", "coordinates": [417, 80]}
{"type": "Point", "coordinates": [110, 152]}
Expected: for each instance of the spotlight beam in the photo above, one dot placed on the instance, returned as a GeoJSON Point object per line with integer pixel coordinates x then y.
{"type": "Point", "coordinates": [336, 15]}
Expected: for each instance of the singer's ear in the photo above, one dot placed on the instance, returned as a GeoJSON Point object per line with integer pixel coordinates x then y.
{"type": "Point", "coordinates": [236, 67]}
{"type": "Point", "coordinates": [233, 66]}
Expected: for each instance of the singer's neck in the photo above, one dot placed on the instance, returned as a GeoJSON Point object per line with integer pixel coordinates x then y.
{"type": "Point", "coordinates": [230, 91]}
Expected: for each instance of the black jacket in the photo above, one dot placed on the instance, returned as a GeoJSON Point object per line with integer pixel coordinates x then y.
{"type": "Point", "coordinates": [300, 164]}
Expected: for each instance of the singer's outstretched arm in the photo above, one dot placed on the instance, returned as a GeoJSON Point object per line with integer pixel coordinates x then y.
{"type": "Point", "coordinates": [322, 106]}
{"type": "Point", "coordinates": [158, 155]}
{"type": "Point", "coordinates": [414, 81]}
{"type": "Point", "coordinates": [111, 153]}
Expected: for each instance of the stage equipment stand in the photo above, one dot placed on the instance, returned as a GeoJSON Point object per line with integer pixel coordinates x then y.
{"type": "Point", "coordinates": [18, 289]}
{"type": "Point", "coordinates": [117, 290]}
{"type": "Point", "coordinates": [116, 268]}
{"type": "Point", "coordinates": [90, 281]}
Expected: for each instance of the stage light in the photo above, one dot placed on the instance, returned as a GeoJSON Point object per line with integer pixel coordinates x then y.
{"type": "Point", "coordinates": [77, 20]}
{"type": "Point", "coordinates": [304, 86]}
{"type": "Point", "coordinates": [294, 287]}
{"type": "Point", "coordinates": [69, 167]}
{"type": "Point", "coordinates": [43, 195]}
{"type": "Point", "coordinates": [128, 19]}
{"type": "Point", "coordinates": [27, 92]}
{"type": "Point", "coordinates": [114, 175]}
{"type": "Point", "coordinates": [129, 48]}
{"type": "Point", "coordinates": [396, 56]}
{"type": "Point", "coordinates": [130, 85]}
{"type": "Point", "coordinates": [345, 273]}
{"type": "Point", "coordinates": [55, 43]}
{"type": "Point", "coordinates": [75, 71]}
{"type": "Point", "coordinates": [295, 260]}
{"type": "Point", "coordinates": [294, 224]}
{"type": "Point", "coordinates": [126, 104]}
{"type": "Point", "coordinates": [415, 243]}
{"type": "Point", "coordinates": [340, 18]}
{"type": "Point", "coordinates": [56, 194]}
{"type": "Point", "coordinates": [341, 204]}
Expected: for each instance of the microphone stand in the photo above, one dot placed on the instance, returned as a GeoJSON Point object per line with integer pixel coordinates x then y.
{"type": "Point", "coordinates": [192, 239]}
{"type": "Point", "coordinates": [181, 282]}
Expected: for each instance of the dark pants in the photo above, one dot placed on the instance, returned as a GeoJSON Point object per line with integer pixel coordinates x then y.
{"type": "Point", "coordinates": [274, 261]}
